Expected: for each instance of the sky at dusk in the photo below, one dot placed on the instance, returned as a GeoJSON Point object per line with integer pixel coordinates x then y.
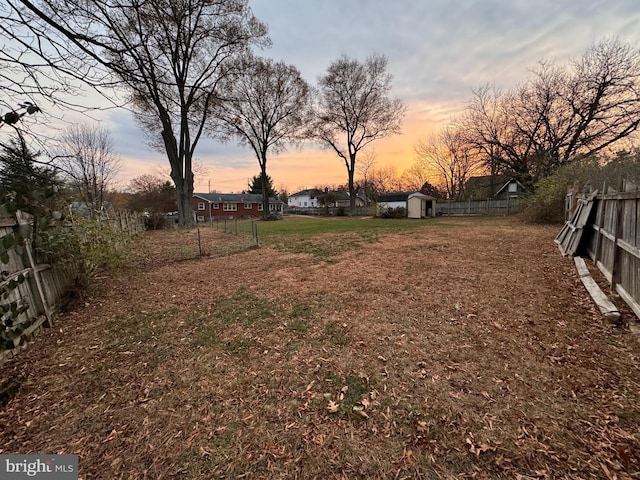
{"type": "Point", "coordinates": [438, 51]}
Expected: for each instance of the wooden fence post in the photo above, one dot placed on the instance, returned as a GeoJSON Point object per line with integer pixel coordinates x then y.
{"type": "Point", "coordinates": [22, 220]}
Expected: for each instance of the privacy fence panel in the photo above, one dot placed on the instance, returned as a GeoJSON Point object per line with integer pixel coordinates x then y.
{"type": "Point", "coordinates": [492, 206]}
{"type": "Point", "coordinates": [614, 243]}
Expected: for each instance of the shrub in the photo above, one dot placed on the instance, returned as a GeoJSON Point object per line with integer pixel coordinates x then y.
{"type": "Point", "coordinates": [546, 204]}
{"type": "Point", "coordinates": [398, 212]}
{"type": "Point", "coordinates": [155, 221]}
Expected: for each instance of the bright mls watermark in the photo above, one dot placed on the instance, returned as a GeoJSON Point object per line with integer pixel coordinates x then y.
{"type": "Point", "coordinates": [49, 467]}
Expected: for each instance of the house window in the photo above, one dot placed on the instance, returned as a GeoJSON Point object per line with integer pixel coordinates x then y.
{"type": "Point", "coordinates": [201, 218]}
{"type": "Point", "coordinates": [200, 205]}
{"type": "Point", "coordinates": [513, 187]}
{"type": "Point", "coordinates": [259, 207]}
{"type": "Point", "coordinates": [247, 206]}
{"type": "Point", "coordinates": [305, 204]}
{"type": "Point", "coordinates": [216, 206]}
{"type": "Point", "coordinates": [230, 207]}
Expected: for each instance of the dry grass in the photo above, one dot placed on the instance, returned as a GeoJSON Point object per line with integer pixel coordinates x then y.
{"type": "Point", "coordinates": [447, 351]}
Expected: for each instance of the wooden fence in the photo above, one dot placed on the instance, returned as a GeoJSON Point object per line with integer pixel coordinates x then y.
{"type": "Point", "coordinates": [131, 223]}
{"type": "Point", "coordinates": [612, 241]}
{"type": "Point", "coordinates": [44, 285]}
{"type": "Point", "coordinates": [329, 211]}
{"type": "Point", "coordinates": [491, 206]}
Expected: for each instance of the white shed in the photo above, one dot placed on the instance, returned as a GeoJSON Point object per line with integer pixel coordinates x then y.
{"type": "Point", "coordinates": [416, 204]}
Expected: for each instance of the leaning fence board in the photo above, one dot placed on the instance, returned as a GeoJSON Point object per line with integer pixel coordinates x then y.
{"type": "Point", "coordinates": [570, 235]}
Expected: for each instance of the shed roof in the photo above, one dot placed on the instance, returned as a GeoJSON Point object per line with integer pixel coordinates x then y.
{"type": "Point", "coordinates": [402, 196]}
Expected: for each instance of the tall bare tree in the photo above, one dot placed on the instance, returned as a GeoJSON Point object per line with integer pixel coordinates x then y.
{"type": "Point", "coordinates": [88, 162]}
{"type": "Point", "coordinates": [170, 55]}
{"type": "Point", "coordinates": [561, 113]}
{"type": "Point", "coordinates": [267, 108]}
{"type": "Point", "coordinates": [26, 75]}
{"type": "Point", "coordinates": [451, 156]}
{"type": "Point", "coordinates": [354, 109]}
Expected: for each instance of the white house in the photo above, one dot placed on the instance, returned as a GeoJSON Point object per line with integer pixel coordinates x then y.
{"type": "Point", "coordinates": [305, 198]}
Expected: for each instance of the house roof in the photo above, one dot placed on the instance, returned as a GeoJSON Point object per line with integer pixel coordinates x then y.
{"type": "Point", "coordinates": [489, 183]}
{"type": "Point", "coordinates": [309, 192]}
{"type": "Point", "coordinates": [507, 184]}
{"type": "Point", "coordinates": [234, 198]}
{"type": "Point", "coordinates": [402, 196]}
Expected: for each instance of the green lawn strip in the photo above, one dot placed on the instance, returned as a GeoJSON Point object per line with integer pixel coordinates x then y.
{"type": "Point", "coordinates": [327, 237]}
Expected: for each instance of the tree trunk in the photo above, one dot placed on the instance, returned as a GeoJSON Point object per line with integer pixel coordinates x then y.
{"type": "Point", "coordinates": [182, 179]}
{"type": "Point", "coordinates": [352, 188]}
{"type": "Point", "coordinates": [265, 194]}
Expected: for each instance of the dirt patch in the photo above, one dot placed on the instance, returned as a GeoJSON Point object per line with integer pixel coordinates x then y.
{"type": "Point", "coordinates": [457, 350]}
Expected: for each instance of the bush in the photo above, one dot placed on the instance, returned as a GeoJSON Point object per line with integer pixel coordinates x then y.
{"type": "Point", "coordinates": [398, 212]}
{"type": "Point", "coordinates": [155, 221]}
{"type": "Point", "coordinates": [547, 203]}
{"type": "Point", "coordinates": [87, 244]}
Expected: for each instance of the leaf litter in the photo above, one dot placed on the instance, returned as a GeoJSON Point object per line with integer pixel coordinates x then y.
{"type": "Point", "coordinates": [477, 356]}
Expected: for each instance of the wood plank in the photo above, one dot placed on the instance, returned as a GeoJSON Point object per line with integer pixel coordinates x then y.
{"type": "Point", "coordinates": [606, 307]}
{"type": "Point", "coordinates": [581, 266]}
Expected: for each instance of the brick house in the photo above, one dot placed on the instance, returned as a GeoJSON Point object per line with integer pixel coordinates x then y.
{"type": "Point", "coordinates": [207, 206]}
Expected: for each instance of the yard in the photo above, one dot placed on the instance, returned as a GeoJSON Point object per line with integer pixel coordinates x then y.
{"type": "Point", "coordinates": [342, 348]}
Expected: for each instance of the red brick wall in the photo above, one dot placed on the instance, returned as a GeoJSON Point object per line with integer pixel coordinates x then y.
{"type": "Point", "coordinates": [210, 212]}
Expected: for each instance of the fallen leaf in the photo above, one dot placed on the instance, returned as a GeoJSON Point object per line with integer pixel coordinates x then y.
{"type": "Point", "coordinates": [333, 407]}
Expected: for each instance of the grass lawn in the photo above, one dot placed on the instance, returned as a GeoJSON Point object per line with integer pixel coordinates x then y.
{"type": "Point", "coordinates": [342, 348]}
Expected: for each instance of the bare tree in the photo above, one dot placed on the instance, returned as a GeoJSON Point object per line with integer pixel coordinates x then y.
{"type": "Point", "coordinates": [365, 168]}
{"type": "Point", "coordinates": [385, 179]}
{"type": "Point", "coordinates": [415, 177]}
{"type": "Point", "coordinates": [267, 108]}
{"type": "Point", "coordinates": [560, 114]}
{"type": "Point", "coordinates": [170, 55]}
{"type": "Point", "coordinates": [452, 157]}
{"type": "Point", "coordinates": [27, 74]}
{"type": "Point", "coordinates": [354, 109]}
{"type": "Point", "coordinates": [88, 163]}
{"type": "Point", "coordinates": [152, 194]}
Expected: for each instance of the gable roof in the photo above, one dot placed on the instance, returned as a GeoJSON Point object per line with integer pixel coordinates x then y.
{"type": "Point", "coordinates": [234, 198]}
{"type": "Point", "coordinates": [486, 183]}
{"type": "Point", "coordinates": [401, 196]}
{"type": "Point", "coordinates": [507, 184]}
{"type": "Point", "coordinates": [308, 192]}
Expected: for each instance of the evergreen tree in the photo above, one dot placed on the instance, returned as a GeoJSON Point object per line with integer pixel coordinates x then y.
{"type": "Point", "coordinates": [255, 185]}
{"type": "Point", "coordinates": [30, 185]}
